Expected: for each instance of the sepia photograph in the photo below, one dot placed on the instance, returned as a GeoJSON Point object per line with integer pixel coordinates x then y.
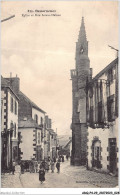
{"type": "Point", "coordinates": [59, 94]}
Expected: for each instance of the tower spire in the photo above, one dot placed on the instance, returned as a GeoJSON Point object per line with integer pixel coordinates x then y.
{"type": "Point", "coordinates": [82, 34]}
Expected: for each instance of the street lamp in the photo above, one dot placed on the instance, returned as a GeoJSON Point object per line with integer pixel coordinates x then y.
{"type": "Point", "coordinates": [114, 49]}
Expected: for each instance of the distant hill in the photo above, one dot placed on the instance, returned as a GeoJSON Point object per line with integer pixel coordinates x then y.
{"type": "Point", "coordinates": [63, 139]}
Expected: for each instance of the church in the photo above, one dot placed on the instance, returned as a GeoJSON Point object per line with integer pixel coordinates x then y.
{"type": "Point", "coordinates": [94, 112]}
{"type": "Point", "coordinates": [79, 77]}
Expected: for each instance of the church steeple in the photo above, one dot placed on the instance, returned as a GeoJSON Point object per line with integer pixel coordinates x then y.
{"type": "Point", "coordinates": [79, 78]}
{"type": "Point", "coordinates": [82, 34]}
{"type": "Point", "coordinates": [82, 44]}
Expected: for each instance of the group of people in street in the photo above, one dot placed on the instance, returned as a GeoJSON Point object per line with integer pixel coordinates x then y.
{"type": "Point", "coordinates": [45, 166]}
{"type": "Point", "coordinates": [41, 168]}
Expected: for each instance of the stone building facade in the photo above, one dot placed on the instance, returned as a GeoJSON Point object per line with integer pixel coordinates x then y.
{"type": "Point", "coordinates": [30, 126]}
{"type": "Point", "coordinates": [102, 120]}
{"type": "Point", "coordinates": [9, 125]}
{"type": "Point", "coordinates": [79, 77]}
{"type": "Point", "coordinates": [35, 137]}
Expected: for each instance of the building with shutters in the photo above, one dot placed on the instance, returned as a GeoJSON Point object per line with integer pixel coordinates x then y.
{"type": "Point", "coordinates": [9, 125]}
{"type": "Point", "coordinates": [79, 76]}
{"type": "Point", "coordinates": [102, 120]}
{"type": "Point", "coordinates": [30, 125]}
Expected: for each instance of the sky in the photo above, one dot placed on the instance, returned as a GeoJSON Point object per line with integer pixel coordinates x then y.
{"type": "Point", "coordinates": [41, 49]}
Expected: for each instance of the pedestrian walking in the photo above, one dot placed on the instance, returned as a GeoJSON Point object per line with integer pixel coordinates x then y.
{"type": "Point", "coordinates": [36, 166]}
{"type": "Point", "coordinates": [30, 167]}
{"type": "Point", "coordinates": [62, 158]}
{"type": "Point", "coordinates": [22, 167]}
{"type": "Point", "coordinates": [13, 167]}
{"type": "Point", "coordinates": [42, 175]}
{"type": "Point", "coordinates": [52, 166]}
{"type": "Point", "coordinates": [59, 159]}
{"type": "Point", "coordinates": [54, 159]}
{"type": "Point", "coordinates": [49, 158]}
{"type": "Point", "coordinates": [67, 156]}
{"type": "Point", "coordinates": [43, 164]}
{"type": "Point", "coordinates": [46, 166]}
{"type": "Point", "coordinates": [58, 166]}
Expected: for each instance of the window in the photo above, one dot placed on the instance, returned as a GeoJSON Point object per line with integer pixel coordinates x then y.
{"type": "Point", "coordinates": [12, 128]}
{"type": "Point", "coordinates": [100, 117]}
{"type": "Point", "coordinates": [11, 108]}
{"type": "Point", "coordinates": [110, 108]}
{"type": "Point", "coordinates": [42, 135]}
{"type": "Point", "coordinates": [15, 130]}
{"type": "Point", "coordinates": [91, 116]}
{"type": "Point", "coordinates": [15, 107]}
{"type": "Point", "coordinates": [110, 75]}
{"type": "Point", "coordinates": [41, 120]}
{"type": "Point", "coordinates": [38, 137]}
{"type": "Point", "coordinates": [36, 118]}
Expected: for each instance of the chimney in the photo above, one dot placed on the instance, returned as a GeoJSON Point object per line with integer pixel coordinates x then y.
{"type": "Point", "coordinates": [14, 83]}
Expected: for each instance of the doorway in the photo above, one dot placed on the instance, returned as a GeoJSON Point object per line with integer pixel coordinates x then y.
{"type": "Point", "coordinates": [112, 155]}
{"type": "Point", "coordinates": [96, 154]}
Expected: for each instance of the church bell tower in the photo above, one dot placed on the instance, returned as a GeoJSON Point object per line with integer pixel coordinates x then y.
{"type": "Point", "coordinates": [79, 77]}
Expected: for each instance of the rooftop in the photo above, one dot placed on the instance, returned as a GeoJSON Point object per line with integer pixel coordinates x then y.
{"type": "Point", "coordinates": [28, 123]}
{"type": "Point", "coordinates": [31, 102]}
{"type": "Point", "coordinates": [109, 66]}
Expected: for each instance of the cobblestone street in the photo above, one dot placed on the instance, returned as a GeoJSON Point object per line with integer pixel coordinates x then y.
{"type": "Point", "coordinates": [11, 181]}
{"type": "Point", "coordinates": [69, 177]}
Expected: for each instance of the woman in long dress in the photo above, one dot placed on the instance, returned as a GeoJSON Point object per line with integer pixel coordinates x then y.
{"type": "Point", "coordinates": [42, 175]}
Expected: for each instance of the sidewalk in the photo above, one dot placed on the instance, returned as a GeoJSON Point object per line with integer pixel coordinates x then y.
{"type": "Point", "coordinates": [11, 181]}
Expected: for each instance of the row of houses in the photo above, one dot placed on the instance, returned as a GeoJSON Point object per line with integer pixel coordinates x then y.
{"type": "Point", "coordinates": [95, 112]}
{"type": "Point", "coordinates": [26, 129]}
